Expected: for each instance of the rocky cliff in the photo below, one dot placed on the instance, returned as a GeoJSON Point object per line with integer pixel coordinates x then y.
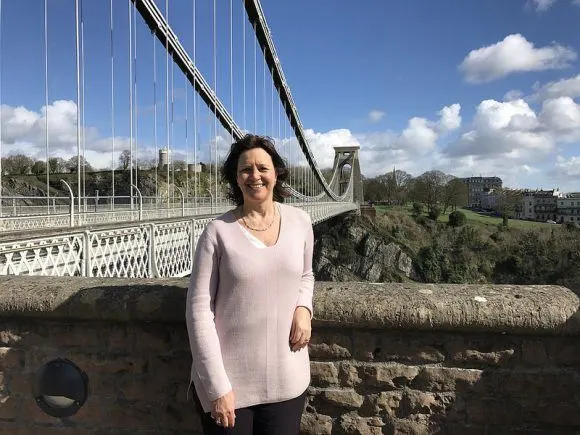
{"type": "Point", "coordinates": [350, 248]}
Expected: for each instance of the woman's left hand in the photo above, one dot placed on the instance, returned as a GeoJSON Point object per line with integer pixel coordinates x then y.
{"type": "Point", "coordinates": [301, 329]}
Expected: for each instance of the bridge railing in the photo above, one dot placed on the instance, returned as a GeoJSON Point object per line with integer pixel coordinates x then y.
{"type": "Point", "coordinates": [138, 250]}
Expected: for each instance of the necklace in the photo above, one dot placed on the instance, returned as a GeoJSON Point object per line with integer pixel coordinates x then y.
{"type": "Point", "coordinates": [267, 227]}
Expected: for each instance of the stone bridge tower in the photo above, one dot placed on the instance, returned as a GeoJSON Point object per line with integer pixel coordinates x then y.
{"type": "Point", "coordinates": [345, 158]}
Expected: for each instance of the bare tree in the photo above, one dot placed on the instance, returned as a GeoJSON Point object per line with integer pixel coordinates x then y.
{"type": "Point", "coordinates": [17, 164]}
{"type": "Point", "coordinates": [124, 159]}
{"type": "Point", "coordinates": [56, 165]}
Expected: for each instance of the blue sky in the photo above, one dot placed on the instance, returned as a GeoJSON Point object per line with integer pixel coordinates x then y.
{"type": "Point", "coordinates": [468, 87]}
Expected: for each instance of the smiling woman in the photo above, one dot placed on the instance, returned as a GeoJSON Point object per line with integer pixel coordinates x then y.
{"type": "Point", "coordinates": [249, 302]}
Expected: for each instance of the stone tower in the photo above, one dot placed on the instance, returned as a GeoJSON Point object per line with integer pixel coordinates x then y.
{"type": "Point", "coordinates": [347, 156]}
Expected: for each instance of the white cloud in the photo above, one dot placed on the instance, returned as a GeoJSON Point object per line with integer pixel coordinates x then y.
{"type": "Point", "coordinates": [567, 168]}
{"type": "Point", "coordinates": [568, 87]}
{"type": "Point", "coordinates": [512, 55]}
{"type": "Point", "coordinates": [24, 132]}
{"type": "Point", "coordinates": [542, 5]}
{"type": "Point", "coordinates": [450, 118]}
{"type": "Point", "coordinates": [576, 2]}
{"type": "Point", "coordinates": [503, 128]}
{"type": "Point", "coordinates": [513, 94]}
{"type": "Point", "coordinates": [376, 115]}
{"type": "Point", "coordinates": [561, 116]}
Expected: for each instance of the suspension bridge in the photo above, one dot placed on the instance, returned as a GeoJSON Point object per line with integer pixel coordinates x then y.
{"type": "Point", "coordinates": [158, 95]}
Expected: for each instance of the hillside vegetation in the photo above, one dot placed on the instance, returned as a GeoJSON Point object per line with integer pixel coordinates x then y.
{"type": "Point", "coordinates": [476, 252]}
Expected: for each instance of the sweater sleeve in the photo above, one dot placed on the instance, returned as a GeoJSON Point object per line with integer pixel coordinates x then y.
{"type": "Point", "coordinates": [307, 283]}
{"type": "Point", "coordinates": [199, 314]}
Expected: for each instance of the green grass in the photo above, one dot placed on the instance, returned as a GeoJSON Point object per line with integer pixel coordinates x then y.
{"type": "Point", "coordinates": [472, 217]}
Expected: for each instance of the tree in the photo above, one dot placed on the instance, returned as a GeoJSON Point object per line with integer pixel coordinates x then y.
{"type": "Point", "coordinates": [455, 194]}
{"type": "Point", "coordinates": [39, 167]}
{"type": "Point", "coordinates": [18, 164]}
{"type": "Point", "coordinates": [457, 219]}
{"type": "Point", "coordinates": [56, 165]}
{"type": "Point", "coordinates": [429, 188]}
{"type": "Point", "coordinates": [124, 159]}
{"type": "Point", "coordinates": [507, 202]}
{"type": "Point", "coordinates": [72, 164]}
{"type": "Point", "coordinates": [179, 165]}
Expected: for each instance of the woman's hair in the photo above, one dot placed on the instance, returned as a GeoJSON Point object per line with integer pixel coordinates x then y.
{"type": "Point", "coordinates": [230, 167]}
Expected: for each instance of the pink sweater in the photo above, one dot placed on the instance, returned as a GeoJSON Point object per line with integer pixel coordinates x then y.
{"type": "Point", "coordinates": [240, 305]}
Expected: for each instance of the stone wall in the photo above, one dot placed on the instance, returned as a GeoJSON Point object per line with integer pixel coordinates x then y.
{"type": "Point", "coordinates": [386, 358]}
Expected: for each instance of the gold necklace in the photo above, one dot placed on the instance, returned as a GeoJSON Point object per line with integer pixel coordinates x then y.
{"type": "Point", "coordinates": [259, 229]}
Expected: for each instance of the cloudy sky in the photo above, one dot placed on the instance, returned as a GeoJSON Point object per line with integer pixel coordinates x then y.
{"type": "Point", "coordinates": [468, 87]}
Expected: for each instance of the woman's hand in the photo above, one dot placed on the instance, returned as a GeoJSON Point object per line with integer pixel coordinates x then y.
{"type": "Point", "coordinates": [301, 329]}
{"type": "Point", "coordinates": [223, 410]}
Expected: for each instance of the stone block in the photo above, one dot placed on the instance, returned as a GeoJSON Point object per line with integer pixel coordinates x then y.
{"type": "Point", "coordinates": [323, 373]}
{"type": "Point", "coordinates": [419, 402]}
{"type": "Point", "coordinates": [385, 402]}
{"type": "Point", "coordinates": [10, 406]}
{"type": "Point", "coordinates": [369, 346]}
{"type": "Point", "coordinates": [315, 424]}
{"type": "Point", "coordinates": [349, 374]}
{"type": "Point", "coordinates": [494, 411]}
{"type": "Point", "coordinates": [534, 353]}
{"type": "Point", "coordinates": [326, 344]}
{"type": "Point", "coordinates": [389, 376]}
{"type": "Point", "coordinates": [439, 379]}
{"type": "Point", "coordinates": [345, 399]}
{"type": "Point", "coordinates": [11, 359]}
{"type": "Point", "coordinates": [352, 424]}
{"type": "Point", "coordinates": [106, 363]}
{"type": "Point", "coordinates": [475, 358]}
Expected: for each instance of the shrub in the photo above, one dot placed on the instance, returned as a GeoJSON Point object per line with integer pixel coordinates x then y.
{"type": "Point", "coordinates": [417, 209]}
{"type": "Point", "coordinates": [457, 219]}
{"type": "Point", "coordinates": [434, 213]}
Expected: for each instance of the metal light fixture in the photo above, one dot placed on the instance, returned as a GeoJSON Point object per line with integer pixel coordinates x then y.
{"type": "Point", "coordinates": [60, 388]}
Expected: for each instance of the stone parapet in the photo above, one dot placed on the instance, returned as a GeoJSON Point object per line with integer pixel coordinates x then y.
{"type": "Point", "coordinates": [386, 358]}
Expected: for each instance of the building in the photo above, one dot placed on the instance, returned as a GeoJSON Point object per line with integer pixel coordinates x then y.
{"type": "Point", "coordinates": [528, 204]}
{"type": "Point", "coordinates": [477, 186]}
{"type": "Point", "coordinates": [546, 204]}
{"type": "Point", "coordinates": [569, 208]}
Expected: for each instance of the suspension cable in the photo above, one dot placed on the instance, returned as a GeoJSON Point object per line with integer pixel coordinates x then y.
{"type": "Point", "coordinates": [232, 63]}
{"type": "Point", "coordinates": [155, 117]}
{"type": "Point", "coordinates": [78, 111]}
{"type": "Point", "coordinates": [255, 86]}
{"type": "Point", "coordinates": [130, 106]}
{"type": "Point", "coordinates": [112, 107]}
{"type": "Point", "coordinates": [135, 97]}
{"type": "Point", "coordinates": [215, 90]}
{"type": "Point", "coordinates": [167, 99]}
{"type": "Point", "coordinates": [195, 108]}
{"type": "Point", "coordinates": [244, 69]}
{"type": "Point", "coordinates": [1, 52]}
{"type": "Point", "coordinates": [46, 105]}
{"type": "Point", "coordinates": [83, 159]}
{"type": "Point", "coordinates": [186, 88]}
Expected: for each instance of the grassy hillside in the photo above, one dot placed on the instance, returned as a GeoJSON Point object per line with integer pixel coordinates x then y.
{"type": "Point", "coordinates": [483, 250]}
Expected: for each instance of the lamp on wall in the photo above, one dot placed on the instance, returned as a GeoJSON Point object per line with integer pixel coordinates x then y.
{"type": "Point", "coordinates": [60, 388]}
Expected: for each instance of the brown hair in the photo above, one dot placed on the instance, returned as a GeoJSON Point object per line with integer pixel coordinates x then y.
{"type": "Point", "coordinates": [230, 167]}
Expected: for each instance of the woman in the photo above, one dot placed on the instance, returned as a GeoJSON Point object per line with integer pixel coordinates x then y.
{"type": "Point", "coordinates": [249, 303]}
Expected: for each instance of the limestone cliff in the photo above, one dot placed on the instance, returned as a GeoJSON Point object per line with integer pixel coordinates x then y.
{"type": "Point", "coordinates": [348, 248]}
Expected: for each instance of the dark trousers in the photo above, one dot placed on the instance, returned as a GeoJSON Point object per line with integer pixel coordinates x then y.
{"type": "Point", "coordinates": [280, 418]}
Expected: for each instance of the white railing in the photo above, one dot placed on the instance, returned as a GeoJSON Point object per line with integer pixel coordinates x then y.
{"type": "Point", "coordinates": [145, 250]}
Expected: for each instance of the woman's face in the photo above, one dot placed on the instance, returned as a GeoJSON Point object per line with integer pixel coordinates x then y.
{"type": "Point", "coordinates": [256, 175]}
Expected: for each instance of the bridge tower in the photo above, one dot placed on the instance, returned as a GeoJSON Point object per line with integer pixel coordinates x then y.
{"type": "Point", "coordinates": [346, 158]}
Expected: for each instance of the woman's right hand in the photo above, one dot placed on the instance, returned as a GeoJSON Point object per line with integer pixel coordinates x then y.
{"type": "Point", "coordinates": [223, 410]}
